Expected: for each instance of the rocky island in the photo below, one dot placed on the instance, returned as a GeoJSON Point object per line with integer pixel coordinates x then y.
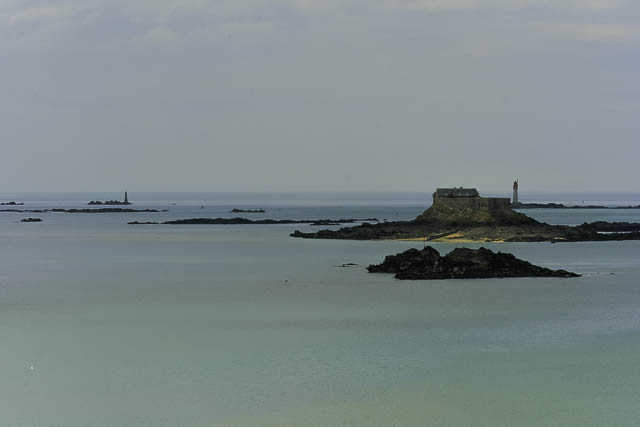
{"type": "Point", "coordinates": [461, 263]}
{"type": "Point", "coordinates": [12, 203]}
{"type": "Point", "coordinates": [111, 202]}
{"type": "Point", "coordinates": [462, 215]}
{"type": "Point", "coordinates": [31, 220]}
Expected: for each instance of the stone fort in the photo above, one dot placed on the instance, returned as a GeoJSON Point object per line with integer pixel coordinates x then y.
{"type": "Point", "coordinates": [461, 198]}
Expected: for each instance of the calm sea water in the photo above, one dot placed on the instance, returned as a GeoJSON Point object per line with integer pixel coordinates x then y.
{"type": "Point", "coordinates": [107, 324]}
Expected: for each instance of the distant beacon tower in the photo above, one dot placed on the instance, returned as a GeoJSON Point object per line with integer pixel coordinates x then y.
{"type": "Point", "coordinates": [126, 198]}
{"type": "Point", "coordinates": [515, 192]}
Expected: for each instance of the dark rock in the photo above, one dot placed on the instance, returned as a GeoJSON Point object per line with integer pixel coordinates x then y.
{"type": "Point", "coordinates": [31, 220]}
{"type": "Point", "coordinates": [142, 223]}
{"type": "Point", "coordinates": [99, 210]}
{"type": "Point", "coordinates": [605, 226]}
{"type": "Point", "coordinates": [102, 210]}
{"type": "Point", "coordinates": [247, 211]}
{"type": "Point", "coordinates": [342, 221]}
{"type": "Point", "coordinates": [108, 202]}
{"type": "Point", "coordinates": [12, 203]}
{"type": "Point", "coordinates": [521, 205]}
{"type": "Point", "coordinates": [461, 263]}
{"type": "Point", "coordinates": [245, 221]}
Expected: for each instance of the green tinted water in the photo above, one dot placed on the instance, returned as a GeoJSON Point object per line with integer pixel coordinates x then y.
{"type": "Point", "coordinates": [104, 324]}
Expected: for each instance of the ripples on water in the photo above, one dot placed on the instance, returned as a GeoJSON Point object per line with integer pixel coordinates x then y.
{"type": "Point", "coordinates": [105, 324]}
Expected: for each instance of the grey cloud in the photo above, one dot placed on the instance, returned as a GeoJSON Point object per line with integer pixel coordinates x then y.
{"type": "Point", "coordinates": [305, 95]}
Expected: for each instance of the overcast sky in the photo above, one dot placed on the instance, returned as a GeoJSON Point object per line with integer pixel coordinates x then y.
{"type": "Point", "coordinates": [319, 95]}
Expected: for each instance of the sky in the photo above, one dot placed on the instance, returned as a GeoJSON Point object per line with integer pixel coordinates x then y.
{"type": "Point", "coordinates": [325, 95]}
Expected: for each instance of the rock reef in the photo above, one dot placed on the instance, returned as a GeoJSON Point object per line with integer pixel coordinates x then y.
{"type": "Point", "coordinates": [31, 220]}
{"type": "Point", "coordinates": [610, 227]}
{"type": "Point", "coordinates": [108, 202]}
{"type": "Point", "coordinates": [99, 210]}
{"type": "Point", "coordinates": [433, 232]}
{"type": "Point", "coordinates": [562, 206]}
{"type": "Point", "coordinates": [236, 210]}
{"type": "Point", "coordinates": [461, 263]}
{"type": "Point", "coordinates": [103, 210]}
{"type": "Point", "coordinates": [245, 221]}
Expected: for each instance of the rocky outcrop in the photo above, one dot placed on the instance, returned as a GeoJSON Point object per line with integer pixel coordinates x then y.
{"type": "Point", "coordinates": [103, 210]}
{"type": "Point", "coordinates": [12, 203]}
{"type": "Point", "coordinates": [100, 210]}
{"type": "Point", "coordinates": [520, 205]}
{"type": "Point", "coordinates": [236, 210]}
{"type": "Point", "coordinates": [31, 220]}
{"type": "Point", "coordinates": [610, 227]}
{"type": "Point", "coordinates": [412, 230]}
{"type": "Point", "coordinates": [108, 202]}
{"type": "Point", "coordinates": [461, 263]}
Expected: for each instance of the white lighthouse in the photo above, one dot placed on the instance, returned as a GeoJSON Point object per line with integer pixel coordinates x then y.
{"type": "Point", "coordinates": [515, 192]}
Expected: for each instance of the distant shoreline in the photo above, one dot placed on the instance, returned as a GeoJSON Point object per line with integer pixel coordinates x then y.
{"type": "Point", "coordinates": [99, 210]}
{"type": "Point", "coordinates": [562, 206]}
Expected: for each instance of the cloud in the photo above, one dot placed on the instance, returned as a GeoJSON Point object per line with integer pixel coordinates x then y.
{"type": "Point", "coordinates": [504, 5]}
{"type": "Point", "coordinates": [591, 32]}
{"type": "Point", "coordinates": [267, 84]}
{"type": "Point", "coordinates": [95, 24]}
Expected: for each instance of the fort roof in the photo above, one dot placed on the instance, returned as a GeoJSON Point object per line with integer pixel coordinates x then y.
{"type": "Point", "coordinates": [457, 192]}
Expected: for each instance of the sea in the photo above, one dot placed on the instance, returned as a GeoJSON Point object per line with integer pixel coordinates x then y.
{"type": "Point", "coordinates": [113, 325]}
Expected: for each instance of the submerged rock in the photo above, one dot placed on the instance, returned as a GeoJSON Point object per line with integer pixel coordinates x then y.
{"type": "Point", "coordinates": [461, 263]}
